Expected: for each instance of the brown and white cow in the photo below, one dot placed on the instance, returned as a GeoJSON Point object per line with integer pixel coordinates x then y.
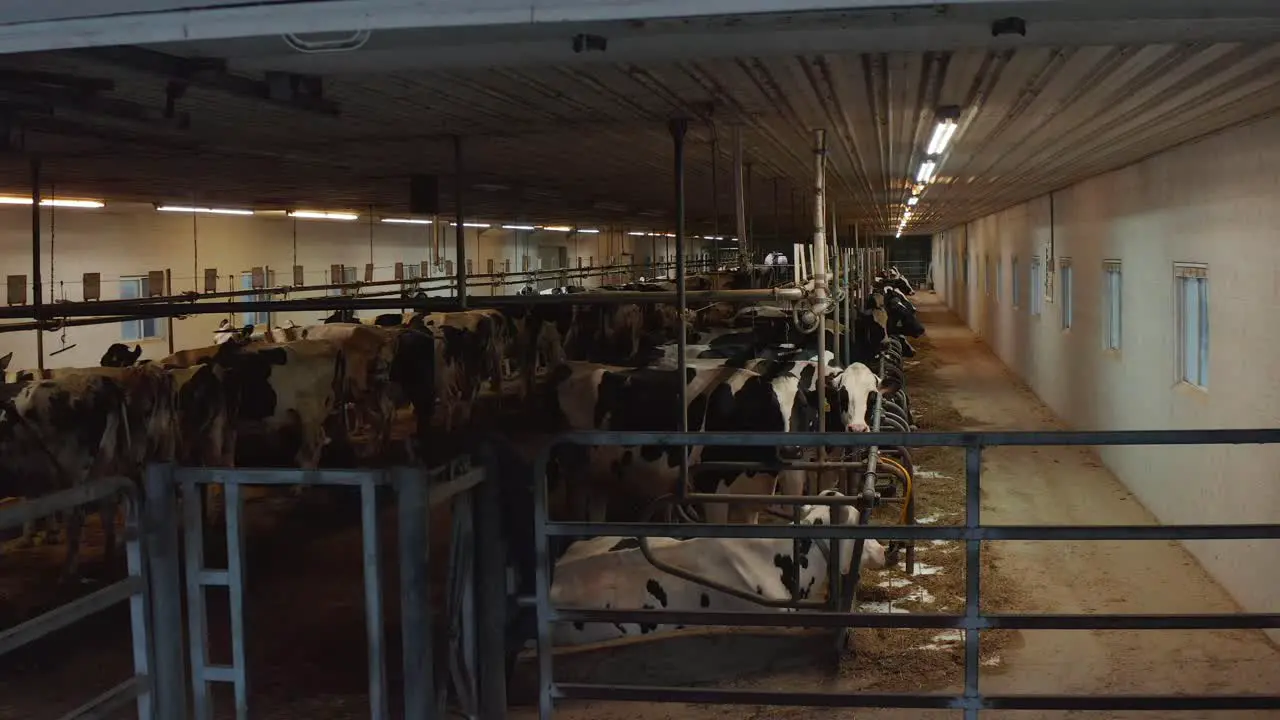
{"type": "Point", "coordinates": [368, 352]}
{"type": "Point", "coordinates": [59, 433]}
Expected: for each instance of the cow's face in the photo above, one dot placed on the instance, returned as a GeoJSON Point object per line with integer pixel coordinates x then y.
{"type": "Point", "coordinates": [852, 387]}
{"type": "Point", "coordinates": [119, 355]}
{"type": "Point", "coordinates": [873, 552]}
{"type": "Point", "coordinates": [902, 316]}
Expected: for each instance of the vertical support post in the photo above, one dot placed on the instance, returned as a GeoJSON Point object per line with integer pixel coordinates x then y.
{"type": "Point", "coordinates": [415, 617]}
{"type": "Point", "coordinates": [460, 238]}
{"type": "Point", "coordinates": [374, 628]}
{"type": "Point", "coordinates": [197, 614]}
{"type": "Point", "coordinates": [160, 525]}
{"type": "Point", "coordinates": [168, 291]}
{"type": "Point", "coordinates": [849, 318]}
{"type": "Point", "coordinates": [715, 197]}
{"type": "Point", "coordinates": [491, 592]}
{"type": "Point", "coordinates": [678, 128]}
{"type": "Point", "coordinates": [973, 573]}
{"type": "Point", "coordinates": [821, 274]}
{"type": "Point", "coordinates": [144, 661]}
{"type": "Point", "coordinates": [542, 585]}
{"type": "Point", "coordinates": [739, 197]}
{"type": "Point", "coordinates": [38, 286]}
{"type": "Point", "coordinates": [236, 593]}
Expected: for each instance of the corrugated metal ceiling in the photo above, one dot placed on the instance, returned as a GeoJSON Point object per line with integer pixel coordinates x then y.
{"type": "Point", "coordinates": [588, 142]}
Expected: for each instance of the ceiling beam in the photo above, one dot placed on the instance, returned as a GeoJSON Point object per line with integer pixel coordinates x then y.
{"type": "Point", "coordinates": [290, 90]}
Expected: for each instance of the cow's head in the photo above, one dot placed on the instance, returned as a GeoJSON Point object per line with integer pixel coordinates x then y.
{"type": "Point", "coordinates": [118, 355]}
{"type": "Point", "coordinates": [851, 388]}
{"type": "Point", "coordinates": [902, 316]}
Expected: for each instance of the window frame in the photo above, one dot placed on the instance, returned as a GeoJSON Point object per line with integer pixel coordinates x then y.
{"type": "Point", "coordinates": [1187, 275]}
{"type": "Point", "coordinates": [139, 334]}
{"type": "Point", "coordinates": [1066, 279]}
{"type": "Point", "coordinates": [262, 318]}
{"type": "Point", "coordinates": [1037, 286]}
{"type": "Point", "coordinates": [1113, 305]}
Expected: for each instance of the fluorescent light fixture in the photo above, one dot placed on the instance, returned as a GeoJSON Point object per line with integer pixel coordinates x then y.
{"type": "Point", "coordinates": [472, 224]}
{"type": "Point", "coordinates": [591, 231]}
{"type": "Point", "coordinates": [899, 234]}
{"type": "Point", "coordinates": [926, 171]}
{"type": "Point", "coordinates": [26, 200]}
{"type": "Point", "coordinates": [323, 215]}
{"type": "Point", "coordinates": [942, 133]}
{"type": "Point", "coordinates": [913, 200]}
{"type": "Point", "coordinates": [407, 221]}
{"type": "Point", "coordinates": [557, 228]}
{"type": "Point", "coordinates": [519, 227]}
{"type": "Point", "coordinates": [637, 233]}
{"type": "Point", "coordinates": [205, 210]}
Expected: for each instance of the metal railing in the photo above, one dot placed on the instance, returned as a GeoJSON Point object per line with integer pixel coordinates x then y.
{"type": "Point", "coordinates": [133, 588]}
{"type": "Point", "coordinates": [414, 498]}
{"type": "Point", "coordinates": [972, 621]}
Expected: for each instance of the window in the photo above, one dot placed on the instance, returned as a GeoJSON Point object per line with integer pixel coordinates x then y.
{"type": "Point", "coordinates": [1064, 279]}
{"type": "Point", "coordinates": [261, 319]}
{"type": "Point", "coordinates": [986, 274]}
{"type": "Point", "coordinates": [1016, 281]}
{"type": "Point", "coordinates": [1111, 301]}
{"type": "Point", "coordinates": [1037, 286]}
{"type": "Point", "coordinates": [998, 279]}
{"type": "Point", "coordinates": [150, 328]}
{"type": "Point", "coordinates": [348, 276]}
{"type": "Point", "coordinates": [1192, 285]}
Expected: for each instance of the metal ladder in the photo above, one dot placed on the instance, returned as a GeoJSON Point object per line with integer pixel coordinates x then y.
{"type": "Point", "coordinates": [198, 578]}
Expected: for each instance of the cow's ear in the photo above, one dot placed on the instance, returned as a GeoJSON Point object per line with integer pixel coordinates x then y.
{"type": "Point", "coordinates": [4, 361]}
{"type": "Point", "coordinates": [889, 386]}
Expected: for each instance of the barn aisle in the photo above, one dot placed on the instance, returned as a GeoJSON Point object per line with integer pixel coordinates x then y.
{"type": "Point", "coordinates": [1071, 486]}
{"type": "Point", "coordinates": [1031, 486]}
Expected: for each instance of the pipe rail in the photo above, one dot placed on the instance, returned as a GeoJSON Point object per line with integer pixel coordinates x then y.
{"type": "Point", "coordinates": [973, 533]}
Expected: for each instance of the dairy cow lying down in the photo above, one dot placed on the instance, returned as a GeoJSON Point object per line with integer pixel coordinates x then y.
{"type": "Point", "coordinates": [611, 572]}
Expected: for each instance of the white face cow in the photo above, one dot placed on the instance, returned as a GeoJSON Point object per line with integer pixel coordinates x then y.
{"type": "Point", "coordinates": [853, 385]}
{"type": "Point", "coordinates": [612, 573]}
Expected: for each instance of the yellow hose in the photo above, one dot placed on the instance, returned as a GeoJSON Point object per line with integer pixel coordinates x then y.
{"type": "Point", "coordinates": [906, 499]}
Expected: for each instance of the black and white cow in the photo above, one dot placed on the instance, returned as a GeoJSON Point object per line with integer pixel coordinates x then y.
{"type": "Point", "coordinates": [625, 480]}
{"type": "Point", "coordinates": [612, 572]}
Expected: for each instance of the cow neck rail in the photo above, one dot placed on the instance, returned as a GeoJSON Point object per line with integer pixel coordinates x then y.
{"type": "Point", "coordinates": [972, 621]}
{"type": "Point", "coordinates": [141, 687]}
{"type": "Point", "coordinates": [329, 304]}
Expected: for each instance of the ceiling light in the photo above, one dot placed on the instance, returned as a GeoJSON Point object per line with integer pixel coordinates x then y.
{"type": "Point", "coordinates": [926, 171]}
{"type": "Point", "coordinates": [26, 200]}
{"type": "Point", "coordinates": [913, 200]}
{"type": "Point", "coordinates": [407, 221]}
{"type": "Point", "coordinates": [637, 233]}
{"type": "Point", "coordinates": [942, 133]}
{"type": "Point", "coordinates": [518, 227]}
{"type": "Point", "coordinates": [206, 210]}
{"type": "Point", "coordinates": [899, 234]}
{"type": "Point", "coordinates": [558, 228]}
{"type": "Point", "coordinates": [592, 231]}
{"type": "Point", "coordinates": [471, 224]}
{"type": "Point", "coordinates": [323, 215]}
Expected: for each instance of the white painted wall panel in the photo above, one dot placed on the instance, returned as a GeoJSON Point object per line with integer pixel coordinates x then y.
{"type": "Point", "coordinates": [1212, 201]}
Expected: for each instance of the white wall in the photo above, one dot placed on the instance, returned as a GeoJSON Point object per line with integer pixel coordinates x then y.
{"type": "Point", "coordinates": [1212, 201]}
{"type": "Point", "coordinates": [130, 240]}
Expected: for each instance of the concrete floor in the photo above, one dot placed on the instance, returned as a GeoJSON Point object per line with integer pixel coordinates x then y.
{"type": "Point", "coordinates": [1047, 486]}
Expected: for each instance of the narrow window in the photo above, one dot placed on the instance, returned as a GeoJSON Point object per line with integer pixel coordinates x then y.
{"type": "Point", "coordinates": [1037, 286]}
{"type": "Point", "coordinates": [348, 276]}
{"type": "Point", "coordinates": [1016, 281]}
{"type": "Point", "coordinates": [1192, 312]}
{"type": "Point", "coordinates": [133, 287]}
{"type": "Point", "coordinates": [1064, 279]}
{"type": "Point", "coordinates": [1111, 298]}
{"type": "Point", "coordinates": [260, 319]}
{"type": "Point", "coordinates": [999, 277]}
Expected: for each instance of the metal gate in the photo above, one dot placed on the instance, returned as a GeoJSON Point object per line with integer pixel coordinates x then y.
{"type": "Point", "coordinates": [973, 532]}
